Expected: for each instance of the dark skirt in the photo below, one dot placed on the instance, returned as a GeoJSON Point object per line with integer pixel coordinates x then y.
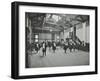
{"type": "Point", "coordinates": [54, 48]}
{"type": "Point", "coordinates": [65, 47]}
{"type": "Point", "coordinates": [70, 46]}
{"type": "Point", "coordinates": [43, 50]}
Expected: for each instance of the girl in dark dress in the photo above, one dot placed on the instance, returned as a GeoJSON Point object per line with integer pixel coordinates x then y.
{"type": "Point", "coordinates": [54, 47]}
{"type": "Point", "coordinates": [74, 46]}
{"type": "Point", "coordinates": [65, 46]}
{"type": "Point", "coordinates": [70, 46]}
{"type": "Point", "coordinates": [44, 49]}
{"type": "Point", "coordinates": [49, 44]}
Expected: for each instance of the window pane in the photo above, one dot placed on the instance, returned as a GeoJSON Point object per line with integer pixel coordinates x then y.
{"type": "Point", "coordinates": [36, 36]}
{"type": "Point", "coordinates": [36, 40]}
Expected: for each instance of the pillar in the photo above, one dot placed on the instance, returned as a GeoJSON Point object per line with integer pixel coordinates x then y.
{"type": "Point", "coordinates": [74, 32]}
{"type": "Point", "coordinates": [30, 35]}
{"type": "Point", "coordinates": [84, 32]}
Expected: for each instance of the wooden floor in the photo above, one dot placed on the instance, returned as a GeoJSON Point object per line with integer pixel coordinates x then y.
{"type": "Point", "coordinates": [59, 58]}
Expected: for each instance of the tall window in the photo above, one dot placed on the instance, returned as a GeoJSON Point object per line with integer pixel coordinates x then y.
{"type": "Point", "coordinates": [36, 37]}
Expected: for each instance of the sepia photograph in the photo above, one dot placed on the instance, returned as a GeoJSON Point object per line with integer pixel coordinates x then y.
{"type": "Point", "coordinates": [55, 40]}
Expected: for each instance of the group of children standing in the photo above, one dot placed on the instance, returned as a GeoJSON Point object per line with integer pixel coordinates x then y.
{"type": "Point", "coordinates": [53, 45]}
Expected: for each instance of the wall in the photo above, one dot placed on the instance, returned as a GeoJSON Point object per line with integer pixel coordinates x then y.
{"type": "Point", "coordinates": [66, 33]}
{"type": "Point", "coordinates": [87, 34]}
{"type": "Point", "coordinates": [43, 36]}
{"type": "Point", "coordinates": [5, 40]}
{"type": "Point", "coordinates": [79, 33]}
{"type": "Point", "coordinates": [83, 33]}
